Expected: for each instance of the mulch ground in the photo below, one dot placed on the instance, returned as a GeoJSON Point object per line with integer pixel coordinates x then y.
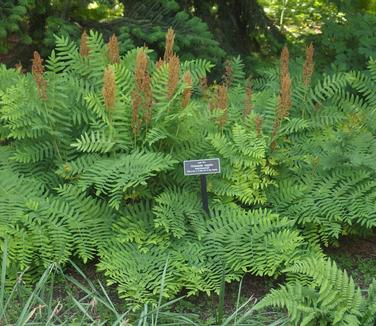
{"type": "Point", "coordinates": [356, 246]}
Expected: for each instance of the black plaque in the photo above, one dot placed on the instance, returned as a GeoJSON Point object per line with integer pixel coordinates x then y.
{"type": "Point", "coordinates": [204, 166]}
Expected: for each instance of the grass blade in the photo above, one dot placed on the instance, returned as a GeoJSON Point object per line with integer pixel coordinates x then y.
{"type": "Point", "coordinates": [238, 301]}
{"type": "Point", "coordinates": [81, 307]}
{"type": "Point", "coordinates": [108, 299]}
{"type": "Point", "coordinates": [3, 276]}
{"type": "Point", "coordinates": [161, 292]}
{"type": "Point", "coordinates": [25, 314]}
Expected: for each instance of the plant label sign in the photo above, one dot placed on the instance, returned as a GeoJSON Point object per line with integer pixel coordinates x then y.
{"type": "Point", "coordinates": [204, 166]}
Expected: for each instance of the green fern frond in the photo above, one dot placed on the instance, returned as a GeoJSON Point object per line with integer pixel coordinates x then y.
{"type": "Point", "coordinates": [329, 201]}
{"type": "Point", "coordinates": [136, 225]}
{"type": "Point", "coordinates": [256, 241]}
{"type": "Point", "coordinates": [242, 150]}
{"type": "Point", "coordinates": [369, 306]}
{"type": "Point", "coordinates": [88, 220]}
{"type": "Point", "coordinates": [330, 299]}
{"type": "Point", "coordinates": [198, 68]}
{"type": "Point", "coordinates": [177, 211]}
{"type": "Point", "coordinates": [94, 142]}
{"type": "Point", "coordinates": [139, 274]}
{"type": "Point", "coordinates": [115, 176]}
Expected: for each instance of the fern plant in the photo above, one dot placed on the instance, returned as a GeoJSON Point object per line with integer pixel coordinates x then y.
{"type": "Point", "coordinates": [324, 149]}
{"type": "Point", "coordinates": [330, 296]}
{"type": "Point", "coordinates": [101, 137]}
{"type": "Point", "coordinates": [43, 227]}
{"type": "Point", "coordinates": [246, 172]}
{"type": "Point", "coordinates": [231, 242]}
{"type": "Point", "coordinates": [92, 151]}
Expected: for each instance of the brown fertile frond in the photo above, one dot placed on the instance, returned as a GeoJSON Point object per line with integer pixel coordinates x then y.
{"type": "Point", "coordinates": [285, 84]}
{"type": "Point", "coordinates": [284, 62]}
{"type": "Point", "coordinates": [277, 125]}
{"type": "Point", "coordinates": [169, 47]}
{"type": "Point", "coordinates": [113, 49]}
{"type": "Point", "coordinates": [222, 104]}
{"type": "Point", "coordinates": [284, 105]}
{"type": "Point", "coordinates": [258, 124]}
{"type": "Point", "coordinates": [141, 69]}
{"type": "Point", "coordinates": [37, 70]}
{"type": "Point", "coordinates": [109, 89]}
{"type": "Point", "coordinates": [247, 100]}
{"type": "Point", "coordinates": [228, 76]}
{"type": "Point", "coordinates": [284, 101]}
{"type": "Point", "coordinates": [285, 97]}
{"type": "Point", "coordinates": [309, 65]}
{"type": "Point", "coordinates": [159, 63]}
{"type": "Point", "coordinates": [222, 97]}
{"type": "Point", "coordinates": [84, 49]}
{"type": "Point", "coordinates": [173, 75]}
{"type": "Point", "coordinates": [143, 97]}
{"type": "Point", "coordinates": [187, 93]}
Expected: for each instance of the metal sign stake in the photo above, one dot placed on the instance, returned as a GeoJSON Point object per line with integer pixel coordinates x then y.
{"type": "Point", "coordinates": [202, 168]}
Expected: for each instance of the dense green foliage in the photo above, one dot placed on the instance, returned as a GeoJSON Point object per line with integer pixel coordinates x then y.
{"type": "Point", "coordinates": [254, 29]}
{"type": "Point", "coordinates": [31, 25]}
{"type": "Point", "coordinates": [91, 167]}
{"type": "Point", "coordinates": [127, 171]}
{"type": "Point", "coordinates": [328, 183]}
{"type": "Point", "coordinates": [349, 43]}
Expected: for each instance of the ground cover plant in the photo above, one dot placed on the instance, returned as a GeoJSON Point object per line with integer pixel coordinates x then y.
{"type": "Point", "coordinates": [92, 145]}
